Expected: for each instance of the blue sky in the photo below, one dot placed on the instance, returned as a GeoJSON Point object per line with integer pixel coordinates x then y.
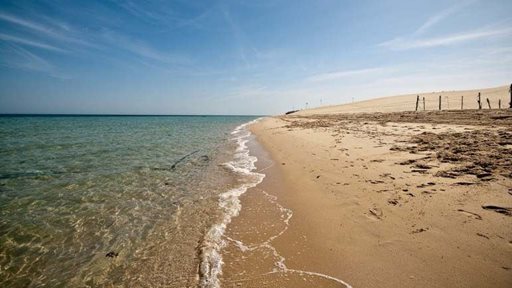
{"type": "Point", "coordinates": [243, 57]}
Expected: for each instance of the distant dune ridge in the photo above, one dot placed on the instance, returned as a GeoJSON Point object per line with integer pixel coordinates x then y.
{"type": "Point", "coordinates": [450, 100]}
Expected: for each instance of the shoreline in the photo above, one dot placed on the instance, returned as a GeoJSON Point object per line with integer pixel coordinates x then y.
{"type": "Point", "coordinates": [361, 216]}
{"type": "Point", "coordinates": [242, 164]}
{"type": "Point", "coordinates": [251, 257]}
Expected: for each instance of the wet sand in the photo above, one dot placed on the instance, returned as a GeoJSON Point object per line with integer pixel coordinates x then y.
{"type": "Point", "coordinates": [377, 200]}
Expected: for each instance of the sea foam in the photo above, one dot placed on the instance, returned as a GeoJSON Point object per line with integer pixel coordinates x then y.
{"type": "Point", "coordinates": [244, 164]}
{"type": "Point", "coordinates": [211, 263]}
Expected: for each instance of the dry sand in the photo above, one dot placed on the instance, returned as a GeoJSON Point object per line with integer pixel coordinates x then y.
{"type": "Point", "coordinates": [449, 100]}
{"type": "Point", "coordinates": [377, 200]}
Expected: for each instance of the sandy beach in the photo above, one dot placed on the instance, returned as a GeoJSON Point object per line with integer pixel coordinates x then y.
{"type": "Point", "coordinates": [264, 144]}
{"type": "Point", "coordinates": [395, 199]}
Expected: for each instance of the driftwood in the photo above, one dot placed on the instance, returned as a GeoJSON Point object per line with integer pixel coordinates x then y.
{"type": "Point", "coordinates": [182, 158]}
{"type": "Point", "coordinates": [500, 209]}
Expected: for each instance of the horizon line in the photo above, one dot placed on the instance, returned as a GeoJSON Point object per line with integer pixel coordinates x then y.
{"type": "Point", "coordinates": [139, 115]}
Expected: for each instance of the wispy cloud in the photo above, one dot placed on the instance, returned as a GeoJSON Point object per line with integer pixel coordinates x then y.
{"type": "Point", "coordinates": [440, 16]}
{"type": "Point", "coordinates": [60, 32]}
{"type": "Point", "coordinates": [144, 50]}
{"type": "Point", "coordinates": [163, 14]}
{"type": "Point", "coordinates": [344, 73]}
{"type": "Point", "coordinates": [20, 58]}
{"type": "Point", "coordinates": [405, 44]}
{"type": "Point", "coordinates": [32, 43]}
{"type": "Point", "coordinates": [146, 12]}
{"type": "Point", "coordinates": [28, 24]}
{"type": "Point", "coordinates": [57, 35]}
{"type": "Point", "coordinates": [243, 45]}
{"type": "Point", "coordinates": [418, 40]}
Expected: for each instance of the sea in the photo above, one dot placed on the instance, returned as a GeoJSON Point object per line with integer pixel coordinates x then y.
{"type": "Point", "coordinates": [119, 201]}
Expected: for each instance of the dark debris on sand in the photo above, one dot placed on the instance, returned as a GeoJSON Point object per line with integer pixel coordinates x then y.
{"type": "Point", "coordinates": [494, 117]}
{"type": "Point", "coordinates": [481, 153]}
{"type": "Point", "coordinates": [112, 254]}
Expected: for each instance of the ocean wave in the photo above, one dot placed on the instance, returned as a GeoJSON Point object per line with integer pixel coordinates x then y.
{"type": "Point", "coordinates": [229, 202]}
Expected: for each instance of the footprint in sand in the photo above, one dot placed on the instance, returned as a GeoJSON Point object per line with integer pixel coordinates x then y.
{"type": "Point", "coordinates": [393, 201]}
{"type": "Point", "coordinates": [376, 213]}
{"type": "Point", "coordinates": [482, 235]}
{"type": "Point", "coordinates": [426, 185]}
{"type": "Point", "coordinates": [420, 230]}
{"type": "Point", "coordinates": [470, 214]}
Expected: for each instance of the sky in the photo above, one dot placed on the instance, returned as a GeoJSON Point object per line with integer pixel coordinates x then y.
{"type": "Point", "coordinates": [243, 57]}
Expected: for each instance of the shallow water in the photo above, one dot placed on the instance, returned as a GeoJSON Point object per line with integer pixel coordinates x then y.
{"type": "Point", "coordinates": [73, 189]}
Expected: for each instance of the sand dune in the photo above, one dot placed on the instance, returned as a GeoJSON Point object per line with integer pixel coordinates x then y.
{"type": "Point", "coordinates": [450, 100]}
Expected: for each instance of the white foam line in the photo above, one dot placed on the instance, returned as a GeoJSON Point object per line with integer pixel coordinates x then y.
{"type": "Point", "coordinates": [280, 265]}
{"type": "Point", "coordinates": [229, 202]}
{"type": "Point", "coordinates": [266, 243]}
{"type": "Point", "coordinates": [211, 262]}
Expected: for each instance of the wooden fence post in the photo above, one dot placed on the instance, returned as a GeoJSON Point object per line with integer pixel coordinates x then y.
{"type": "Point", "coordinates": [479, 102]}
{"type": "Point", "coordinates": [417, 102]}
{"type": "Point", "coordinates": [499, 103]}
{"type": "Point", "coordinates": [439, 102]}
{"type": "Point", "coordinates": [488, 103]}
{"type": "Point", "coordinates": [510, 90]}
{"type": "Point", "coordinates": [462, 102]}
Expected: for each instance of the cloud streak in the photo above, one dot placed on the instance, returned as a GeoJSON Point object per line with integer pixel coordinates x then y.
{"type": "Point", "coordinates": [42, 29]}
{"type": "Point", "coordinates": [163, 14]}
{"type": "Point", "coordinates": [65, 38]}
{"type": "Point", "coordinates": [416, 40]}
{"type": "Point", "coordinates": [32, 43]}
{"type": "Point", "coordinates": [342, 74]}
{"type": "Point", "coordinates": [143, 50]}
{"type": "Point", "coordinates": [435, 19]}
{"type": "Point", "coordinates": [20, 58]}
{"type": "Point", "coordinates": [28, 24]}
{"type": "Point", "coordinates": [406, 44]}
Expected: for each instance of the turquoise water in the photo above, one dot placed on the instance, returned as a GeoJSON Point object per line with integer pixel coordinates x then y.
{"type": "Point", "coordinates": [73, 189]}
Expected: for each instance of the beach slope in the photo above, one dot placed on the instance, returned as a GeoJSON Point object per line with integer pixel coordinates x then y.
{"type": "Point", "coordinates": [398, 199]}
